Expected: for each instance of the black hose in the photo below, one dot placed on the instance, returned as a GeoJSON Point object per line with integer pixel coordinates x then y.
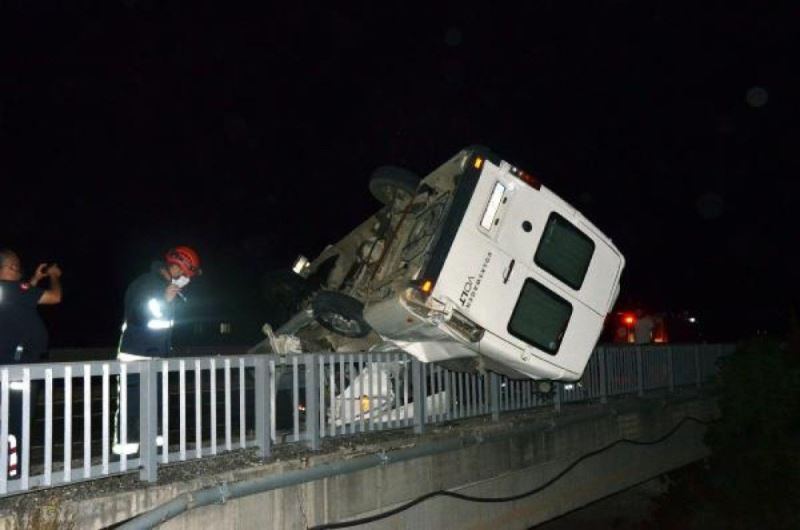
{"type": "Point", "coordinates": [471, 498]}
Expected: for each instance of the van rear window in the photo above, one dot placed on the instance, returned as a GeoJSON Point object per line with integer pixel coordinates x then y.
{"type": "Point", "coordinates": [564, 251]}
{"type": "Point", "coordinates": [540, 317]}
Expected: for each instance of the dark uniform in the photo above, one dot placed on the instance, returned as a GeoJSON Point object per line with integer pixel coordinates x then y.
{"type": "Point", "coordinates": [148, 316]}
{"type": "Point", "coordinates": [23, 339]}
{"type": "Point", "coordinates": [146, 333]}
{"type": "Point", "coordinates": [23, 336]}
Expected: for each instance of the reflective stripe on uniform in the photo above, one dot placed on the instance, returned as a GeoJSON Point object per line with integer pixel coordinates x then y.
{"type": "Point", "coordinates": [130, 357]}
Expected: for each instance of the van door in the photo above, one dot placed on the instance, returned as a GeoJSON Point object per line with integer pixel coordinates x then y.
{"type": "Point", "coordinates": [529, 308]}
{"type": "Point", "coordinates": [490, 255]}
{"type": "Point", "coordinates": [477, 276]}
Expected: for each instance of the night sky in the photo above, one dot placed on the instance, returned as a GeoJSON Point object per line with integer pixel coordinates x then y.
{"type": "Point", "coordinates": [251, 136]}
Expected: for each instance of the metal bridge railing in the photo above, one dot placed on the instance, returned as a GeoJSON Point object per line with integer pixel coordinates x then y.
{"type": "Point", "coordinates": [202, 406]}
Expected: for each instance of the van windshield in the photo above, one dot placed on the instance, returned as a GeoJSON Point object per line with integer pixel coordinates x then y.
{"type": "Point", "coordinates": [564, 251]}
{"type": "Point", "coordinates": [540, 317]}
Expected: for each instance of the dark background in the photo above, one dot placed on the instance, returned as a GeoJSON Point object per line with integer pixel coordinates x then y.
{"type": "Point", "coordinates": [130, 128]}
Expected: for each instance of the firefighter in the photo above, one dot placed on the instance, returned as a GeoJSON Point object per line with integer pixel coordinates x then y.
{"type": "Point", "coordinates": [150, 303]}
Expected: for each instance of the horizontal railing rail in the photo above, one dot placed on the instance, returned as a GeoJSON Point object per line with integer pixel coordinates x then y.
{"type": "Point", "coordinates": [57, 420]}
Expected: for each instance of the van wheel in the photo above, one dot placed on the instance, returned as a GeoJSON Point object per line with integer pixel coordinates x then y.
{"type": "Point", "coordinates": [544, 386]}
{"type": "Point", "coordinates": [391, 184]}
{"type": "Point", "coordinates": [340, 313]}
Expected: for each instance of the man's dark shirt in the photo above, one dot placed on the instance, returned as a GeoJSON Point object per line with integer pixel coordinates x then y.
{"type": "Point", "coordinates": [20, 323]}
{"type": "Point", "coordinates": [145, 304]}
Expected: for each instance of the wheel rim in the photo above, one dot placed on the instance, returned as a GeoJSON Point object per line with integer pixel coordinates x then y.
{"type": "Point", "coordinates": [341, 324]}
{"type": "Point", "coordinates": [393, 194]}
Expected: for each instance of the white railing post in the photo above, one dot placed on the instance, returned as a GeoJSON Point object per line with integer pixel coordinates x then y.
{"type": "Point", "coordinates": [87, 420]}
{"type": "Point", "coordinates": [106, 427]}
{"type": "Point", "coordinates": [148, 420]}
{"type": "Point", "coordinates": [418, 380]}
{"type": "Point", "coordinates": [322, 381]}
{"type": "Point", "coordinates": [47, 479]}
{"type": "Point", "coordinates": [242, 405]}
{"type": "Point", "coordinates": [262, 413]}
{"type": "Point", "coordinates": [165, 411]}
{"type": "Point", "coordinates": [198, 409]}
{"type": "Point", "coordinates": [312, 404]}
{"type": "Point", "coordinates": [212, 386]}
{"type": "Point", "coordinates": [27, 406]}
{"type": "Point", "coordinates": [67, 469]}
{"type": "Point", "coordinates": [494, 395]}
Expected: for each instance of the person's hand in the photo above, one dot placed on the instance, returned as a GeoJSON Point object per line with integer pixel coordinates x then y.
{"type": "Point", "coordinates": [171, 292]}
{"type": "Point", "coordinates": [41, 272]}
{"type": "Point", "coordinates": [53, 271]}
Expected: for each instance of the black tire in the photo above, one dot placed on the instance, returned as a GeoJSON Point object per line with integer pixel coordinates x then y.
{"type": "Point", "coordinates": [390, 184]}
{"type": "Point", "coordinates": [340, 313]}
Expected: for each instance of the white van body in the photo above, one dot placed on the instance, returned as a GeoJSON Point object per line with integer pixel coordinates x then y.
{"type": "Point", "coordinates": [483, 263]}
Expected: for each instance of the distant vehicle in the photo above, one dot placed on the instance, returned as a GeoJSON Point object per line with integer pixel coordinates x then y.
{"type": "Point", "coordinates": [478, 266]}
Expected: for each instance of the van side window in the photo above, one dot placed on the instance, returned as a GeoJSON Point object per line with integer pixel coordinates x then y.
{"type": "Point", "coordinates": [540, 317]}
{"type": "Point", "coordinates": [564, 251]}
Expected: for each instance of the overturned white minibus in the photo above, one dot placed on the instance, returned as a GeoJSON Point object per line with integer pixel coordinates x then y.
{"type": "Point", "coordinates": [476, 266]}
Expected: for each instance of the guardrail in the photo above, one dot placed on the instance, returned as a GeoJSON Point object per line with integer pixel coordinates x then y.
{"type": "Point", "coordinates": [203, 406]}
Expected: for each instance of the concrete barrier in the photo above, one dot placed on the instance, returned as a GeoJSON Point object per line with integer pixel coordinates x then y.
{"type": "Point", "coordinates": [476, 457]}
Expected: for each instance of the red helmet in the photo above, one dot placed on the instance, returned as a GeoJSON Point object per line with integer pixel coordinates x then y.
{"type": "Point", "coordinates": [185, 258]}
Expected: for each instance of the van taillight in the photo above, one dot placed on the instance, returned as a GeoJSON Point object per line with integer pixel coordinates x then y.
{"type": "Point", "coordinates": [529, 179]}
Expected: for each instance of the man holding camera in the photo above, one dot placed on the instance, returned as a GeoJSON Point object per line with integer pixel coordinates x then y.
{"type": "Point", "coordinates": [23, 335]}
